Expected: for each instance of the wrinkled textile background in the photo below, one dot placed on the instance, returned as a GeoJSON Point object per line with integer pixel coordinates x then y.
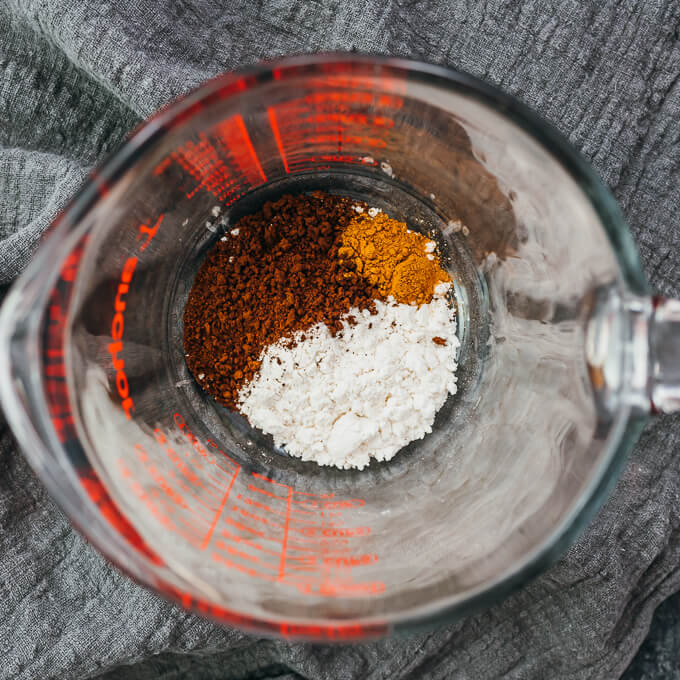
{"type": "Point", "coordinates": [76, 75]}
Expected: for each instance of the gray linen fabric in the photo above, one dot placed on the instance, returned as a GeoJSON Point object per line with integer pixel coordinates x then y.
{"type": "Point", "coordinates": [76, 75]}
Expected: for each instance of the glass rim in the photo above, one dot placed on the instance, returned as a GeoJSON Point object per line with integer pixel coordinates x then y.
{"type": "Point", "coordinates": [232, 84]}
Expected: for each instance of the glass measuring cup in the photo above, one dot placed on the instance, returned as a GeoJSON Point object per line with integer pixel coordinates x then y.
{"type": "Point", "coordinates": [563, 353]}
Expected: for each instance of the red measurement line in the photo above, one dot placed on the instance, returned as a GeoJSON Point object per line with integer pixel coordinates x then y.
{"type": "Point", "coordinates": [252, 487]}
{"type": "Point", "coordinates": [240, 539]}
{"type": "Point", "coordinates": [245, 527]}
{"type": "Point", "coordinates": [190, 494]}
{"type": "Point", "coordinates": [298, 541]}
{"type": "Point", "coordinates": [317, 495]}
{"type": "Point", "coordinates": [250, 558]}
{"type": "Point", "coordinates": [214, 481]}
{"type": "Point", "coordinates": [262, 506]}
{"type": "Point", "coordinates": [247, 570]}
{"type": "Point", "coordinates": [329, 158]}
{"type": "Point", "coordinates": [249, 144]}
{"type": "Point", "coordinates": [208, 491]}
{"type": "Point", "coordinates": [282, 565]}
{"type": "Point", "coordinates": [217, 482]}
{"type": "Point", "coordinates": [186, 521]}
{"type": "Point", "coordinates": [192, 537]}
{"type": "Point", "coordinates": [272, 481]}
{"type": "Point", "coordinates": [257, 518]}
{"type": "Point", "coordinates": [227, 472]}
{"type": "Point", "coordinates": [277, 136]}
{"type": "Point", "coordinates": [208, 536]}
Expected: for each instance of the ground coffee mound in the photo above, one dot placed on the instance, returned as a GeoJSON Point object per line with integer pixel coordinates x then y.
{"type": "Point", "coordinates": [277, 272]}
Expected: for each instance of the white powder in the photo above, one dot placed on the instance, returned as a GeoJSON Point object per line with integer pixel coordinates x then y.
{"type": "Point", "coordinates": [387, 168]}
{"type": "Point", "coordinates": [372, 212]}
{"type": "Point", "coordinates": [430, 246]}
{"type": "Point", "coordinates": [235, 232]}
{"type": "Point", "coordinates": [365, 393]}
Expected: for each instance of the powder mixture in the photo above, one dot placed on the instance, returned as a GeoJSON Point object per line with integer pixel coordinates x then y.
{"type": "Point", "coordinates": [363, 394]}
{"type": "Point", "coordinates": [328, 325]}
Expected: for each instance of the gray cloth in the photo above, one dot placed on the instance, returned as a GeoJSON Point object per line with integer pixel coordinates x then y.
{"type": "Point", "coordinates": [76, 75]}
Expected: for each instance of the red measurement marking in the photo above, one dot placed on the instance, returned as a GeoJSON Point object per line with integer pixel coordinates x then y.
{"type": "Point", "coordinates": [162, 166]}
{"type": "Point", "coordinates": [216, 497]}
{"type": "Point", "coordinates": [315, 160]}
{"type": "Point", "coordinates": [382, 101]}
{"type": "Point", "coordinates": [337, 77]}
{"type": "Point", "coordinates": [257, 518]}
{"type": "Point", "coordinates": [351, 503]}
{"type": "Point", "coordinates": [231, 137]}
{"type": "Point", "coordinates": [245, 556]}
{"type": "Point", "coordinates": [195, 528]}
{"type": "Point", "coordinates": [223, 455]}
{"type": "Point", "coordinates": [333, 532]}
{"type": "Point", "coordinates": [249, 144]}
{"type": "Point", "coordinates": [115, 348]}
{"type": "Point", "coordinates": [315, 118]}
{"type": "Point", "coordinates": [339, 589]}
{"type": "Point", "coordinates": [201, 161]}
{"type": "Point", "coordinates": [99, 496]}
{"type": "Point", "coordinates": [298, 563]}
{"type": "Point", "coordinates": [282, 565]}
{"type": "Point", "coordinates": [372, 142]}
{"type": "Point", "coordinates": [302, 512]}
{"type": "Point", "coordinates": [311, 502]}
{"type": "Point", "coordinates": [55, 371]}
{"type": "Point", "coordinates": [261, 506]}
{"type": "Point", "coordinates": [252, 487]}
{"type": "Point", "coordinates": [70, 266]}
{"type": "Point", "coordinates": [239, 567]}
{"type": "Point", "coordinates": [196, 445]}
{"type": "Point", "coordinates": [333, 123]}
{"type": "Point", "coordinates": [277, 136]}
{"type": "Point", "coordinates": [267, 508]}
{"type": "Point", "coordinates": [346, 631]}
{"type": "Point", "coordinates": [208, 536]}
{"type": "Point", "coordinates": [149, 232]}
{"type": "Point", "coordinates": [56, 389]}
{"type": "Point", "coordinates": [349, 560]}
{"type": "Point", "coordinates": [315, 554]}
{"type": "Point", "coordinates": [240, 539]}
{"type": "Point", "coordinates": [313, 495]}
{"type": "Point", "coordinates": [271, 481]}
{"type": "Point", "coordinates": [189, 493]}
{"type": "Point", "coordinates": [261, 534]}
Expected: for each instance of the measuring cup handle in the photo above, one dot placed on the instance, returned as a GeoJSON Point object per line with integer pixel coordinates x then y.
{"type": "Point", "coordinates": [664, 355]}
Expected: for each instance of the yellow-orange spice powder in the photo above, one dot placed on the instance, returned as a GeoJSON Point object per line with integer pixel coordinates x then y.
{"type": "Point", "coordinates": [393, 259]}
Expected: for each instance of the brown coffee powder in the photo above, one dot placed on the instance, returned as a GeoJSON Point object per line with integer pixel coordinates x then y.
{"type": "Point", "coordinates": [279, 275]}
